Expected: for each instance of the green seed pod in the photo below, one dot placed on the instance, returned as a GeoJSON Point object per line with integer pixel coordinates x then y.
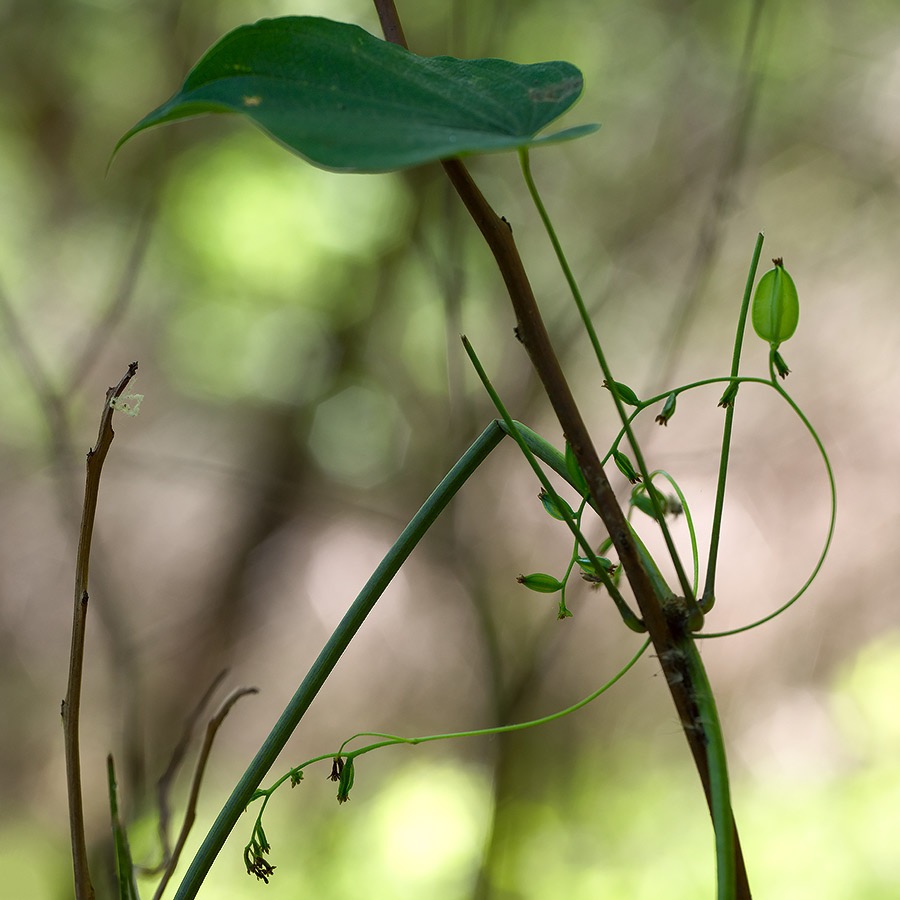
{"type": "Point", "coordinates": [625, 467]}
{"type": "Point", "coordinates": [606, 565]}
{"type": "Point", "coordinates": [540, 583]}
{"type": "Point", "coordinates": [626, 394]}
{"type": "Point", "coordinates": [576, 476]}
{"type": "Point", "coordinates": [776, 309]}
{"type": "Point", "coordinates": [668, 409]}
{"type": "Point", "coordinates": [552, 506]}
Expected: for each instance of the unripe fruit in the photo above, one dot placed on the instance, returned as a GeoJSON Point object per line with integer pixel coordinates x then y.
{"type": "Point", "coordinates": [541, 583]}
{"type": "Point", "coordinates": [776, 308]}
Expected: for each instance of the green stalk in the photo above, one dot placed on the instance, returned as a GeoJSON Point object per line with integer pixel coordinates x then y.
{"type": "Point", "coordinates": [320, 670]}
{"type": "Point", "coordinates": [709, 590]}
{"type": "Point", "coordinates": [720, 793]}
{"type": "Point", "coordinates": [524, 160]}
{"type": "Point", "coordinates": [832, 488]}
{"type": "Point", "coordinates": [511, 428]}
{"type": "Point", "coordinates": [391, 740]}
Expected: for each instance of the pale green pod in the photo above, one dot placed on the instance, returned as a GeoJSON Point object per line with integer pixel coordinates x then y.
{"type": "Point", "coordinates": [541, 583]}
{"type": "Point", "coordinates": [626, 394]}
{"type": "Point", "coordinates": [776, 308]}
{"type": "Point", "coordinates": [556, 506]}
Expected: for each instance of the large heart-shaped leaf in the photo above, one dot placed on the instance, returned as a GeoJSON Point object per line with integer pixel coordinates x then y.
{"type": "Point", "coordinates": [346, 100]}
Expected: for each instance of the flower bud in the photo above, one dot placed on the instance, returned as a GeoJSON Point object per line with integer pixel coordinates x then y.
{"type": "Point", "coordinates": [345, 781]}
{"type": "Point", "coordinates": [776, 309]}
{"type": "Point", "coordinates": [626, 394]}
{"type": "Point", "coordinates": [780, 365]}
{"type": "Point", "coordinates": [556, 506]}
{"type": "Point", "coordinates": [540, 583]}
{"type": "Point", "coordinates": [728, 398]}
{"type": "Point", "coordinates": [668, 410]}
{"type": "Point", "coordinates": [625, 467]}
{"type": "Point", "coordinates": [563, 612]}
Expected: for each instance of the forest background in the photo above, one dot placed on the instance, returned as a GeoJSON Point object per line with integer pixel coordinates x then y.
{"type": "Point", "coordinates": [297, 334]}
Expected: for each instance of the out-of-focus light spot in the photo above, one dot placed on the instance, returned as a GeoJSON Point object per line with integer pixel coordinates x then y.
{"type": "Point", "coordinates": [247, 210]}
{"type": "Point", "coordinates": [866, 699]}
{"type": "Point", "coordinates": [359, 436]}
{"type": "Point", "coordinates": [430, 823]}
{"type": "Point", "coordinates": [234, 351]}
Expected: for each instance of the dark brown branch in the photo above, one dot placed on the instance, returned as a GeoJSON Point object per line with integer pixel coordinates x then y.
{"type": "Point", "coordinates": [71, 708]}
{"type": "Point", "coordinates": [533, 334]}
{"type": "Point", "coordinates": [390, 22]}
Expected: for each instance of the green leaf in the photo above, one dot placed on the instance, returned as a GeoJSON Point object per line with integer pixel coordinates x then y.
{"type": "Point", "coordinates": [345, 100]}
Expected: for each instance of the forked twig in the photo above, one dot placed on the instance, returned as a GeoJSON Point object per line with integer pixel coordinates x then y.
{"type": "Point", "coordinates": [191, 812]}
{"type": "Point", "coordinates": [164, 785]}
{"type": "Point", "coordinates": [71, 706]}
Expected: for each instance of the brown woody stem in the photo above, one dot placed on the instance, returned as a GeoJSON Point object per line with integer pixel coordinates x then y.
{"type": "Point", "coordinates": [665, 631]}
{"type": "Point", "coordinates": [71, 707]}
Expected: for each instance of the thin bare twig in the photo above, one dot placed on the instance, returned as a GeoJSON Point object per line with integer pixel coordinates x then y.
{"type": "Point", "coordinates": [52, 394]}
{"type": "Point", "coordinates": [71, 707]}
{"type": "Point", "coordinates": [191, 812]}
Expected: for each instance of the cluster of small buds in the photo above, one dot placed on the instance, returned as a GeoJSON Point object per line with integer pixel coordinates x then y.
{"type": "Point", "coordinates": [255, 853]}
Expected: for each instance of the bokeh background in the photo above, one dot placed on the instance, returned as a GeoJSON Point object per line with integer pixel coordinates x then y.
{"type": "Point", "coordinates": [297, 333]}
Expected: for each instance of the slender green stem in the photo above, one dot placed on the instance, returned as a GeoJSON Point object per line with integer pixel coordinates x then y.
{"type": "Point", "coordinates": [330, 654]}
{"type": "Point", "coordinates": [689, 520]}
{"type": "Point", "coordinates": [124, 865]}
{"type": "Point", "coordinates": [392, 739]}
{"type": "Point", "coordinates": [607, 374]}
{"type": "Point", "coordinates": [832, 488]}
{"type": "Point", "coordinates": [720, 799]}
{"type": "Point", "coordinates": [709, 590]}
{"type": "Point", "coordinates": [630, 619]}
